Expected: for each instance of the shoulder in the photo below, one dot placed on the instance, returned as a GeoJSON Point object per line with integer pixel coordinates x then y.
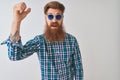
{"type": "Point", "coordinates": [70, 37]}
{"type": "Point", "coordinates": [38, 38]}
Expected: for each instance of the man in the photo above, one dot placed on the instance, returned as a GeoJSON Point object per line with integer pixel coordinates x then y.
{"type": "Point", "coordinates": [58, 51]}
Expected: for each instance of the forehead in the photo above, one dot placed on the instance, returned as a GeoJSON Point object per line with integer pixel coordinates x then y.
{"type": "Point", "coordinates": [54, 11]}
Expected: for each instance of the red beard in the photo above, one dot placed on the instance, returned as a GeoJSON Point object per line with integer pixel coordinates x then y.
{"type": "Point", "coordinates": [54, 34]}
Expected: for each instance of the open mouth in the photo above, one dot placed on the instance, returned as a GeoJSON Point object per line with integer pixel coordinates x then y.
{"type": "Point", "coordinates": [54, 24]}
{"type": "Point", "coordinates": [54, 27]}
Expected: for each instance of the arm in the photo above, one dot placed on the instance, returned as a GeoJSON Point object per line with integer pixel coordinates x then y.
{"type": "Point", "coordinates": [19, 13]}
{"type": "Point", "coordinates": [17, 51]}
{"type": "Point", "coordinates": [78, 67]}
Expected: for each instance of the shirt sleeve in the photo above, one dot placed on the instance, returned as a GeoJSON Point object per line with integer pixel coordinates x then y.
{"type": "Point", "coordinates": [17, 51]}
{"type": "Point", "coordinates": [78, 67]}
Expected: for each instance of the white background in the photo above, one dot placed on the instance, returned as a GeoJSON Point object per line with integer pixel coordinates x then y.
{"type": "Point", "coordinates": [95, 23]}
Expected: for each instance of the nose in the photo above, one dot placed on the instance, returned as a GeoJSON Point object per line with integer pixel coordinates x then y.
{"type": "Point", "coordinates": [54, 20]}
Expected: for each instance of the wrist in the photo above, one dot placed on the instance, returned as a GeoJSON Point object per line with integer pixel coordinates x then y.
{"type": "Point", "coordinates": [16, 21]}
{"type": "Point", "coordinates": [14, 37]}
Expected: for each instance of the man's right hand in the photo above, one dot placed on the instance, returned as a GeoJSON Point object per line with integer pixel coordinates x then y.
{"type": "Point", "coordinates": [20, 11]}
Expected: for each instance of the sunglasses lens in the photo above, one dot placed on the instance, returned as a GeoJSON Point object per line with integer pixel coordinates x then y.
{"type": "Point", "coordinates": [50, 17]}
{"type": "Point", "coordinates": [58, 17]}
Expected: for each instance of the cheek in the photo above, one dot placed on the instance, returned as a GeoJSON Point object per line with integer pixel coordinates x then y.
{"type": "Point", "coordinates": [48, 23]}
{"type": "Point", "coordinates": [59, 22]}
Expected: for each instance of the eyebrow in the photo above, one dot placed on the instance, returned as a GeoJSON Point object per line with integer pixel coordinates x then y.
{"type": "Point", "coordinates": [53, 13]}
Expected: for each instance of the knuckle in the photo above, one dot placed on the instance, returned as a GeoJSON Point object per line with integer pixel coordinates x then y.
{"type": "Point", "coordinates": [22, 2]}
{"type": "Point", "coordinates": [19, 6]}
{"type": "Point", "coordinates": [23, 5]}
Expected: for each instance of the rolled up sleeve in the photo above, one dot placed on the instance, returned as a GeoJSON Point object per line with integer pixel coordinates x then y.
{"type": "Point", "coordinates": [17, 51]}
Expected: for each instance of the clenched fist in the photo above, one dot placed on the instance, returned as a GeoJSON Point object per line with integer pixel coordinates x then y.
{"type": "Point", "coordinates": [20, 11]}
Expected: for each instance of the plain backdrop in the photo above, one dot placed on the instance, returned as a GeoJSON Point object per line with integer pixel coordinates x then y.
{"type": "Point", "coordinates": [95, 24]}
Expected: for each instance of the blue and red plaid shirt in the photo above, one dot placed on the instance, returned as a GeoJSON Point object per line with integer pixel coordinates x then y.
{"type": "Point", "coordinates": [58, 60]}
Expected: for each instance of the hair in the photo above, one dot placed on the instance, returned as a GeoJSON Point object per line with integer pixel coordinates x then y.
{"type": "Point", "coordinates": [54, 5]}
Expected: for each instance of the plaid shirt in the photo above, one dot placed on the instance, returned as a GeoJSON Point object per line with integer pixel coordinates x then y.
{"type": "Point", "coordinates": [59, 60]}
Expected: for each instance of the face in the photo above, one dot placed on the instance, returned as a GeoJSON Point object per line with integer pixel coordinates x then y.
{"type": "Point", "coordinates": [54, 29]}
{"type": "Point", "coordinates": [54, 18]}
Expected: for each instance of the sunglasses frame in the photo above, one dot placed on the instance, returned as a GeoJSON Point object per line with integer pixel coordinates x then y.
{"type": "Point", "coordinates": [54, 16]}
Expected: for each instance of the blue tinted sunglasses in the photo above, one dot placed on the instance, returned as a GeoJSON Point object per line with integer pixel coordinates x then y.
{"type": "Point", "coordinates": [57, 16]}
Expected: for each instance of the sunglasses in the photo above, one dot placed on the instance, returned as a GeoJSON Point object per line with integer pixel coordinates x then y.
{"type": "Point", "coordinates": [57, 16]}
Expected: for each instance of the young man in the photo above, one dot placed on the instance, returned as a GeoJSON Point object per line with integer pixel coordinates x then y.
{"type": "Point", "coordinates": [58, 51]}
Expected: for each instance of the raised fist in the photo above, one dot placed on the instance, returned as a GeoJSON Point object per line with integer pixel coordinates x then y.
{"type": "Point", "coordinates": [20, 11]}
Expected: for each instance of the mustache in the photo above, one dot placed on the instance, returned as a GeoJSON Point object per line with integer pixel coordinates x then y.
{"type": "Point", "coordinates": [54, 24]}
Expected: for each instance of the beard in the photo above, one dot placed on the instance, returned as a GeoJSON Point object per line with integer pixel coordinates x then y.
{"type": "Point", "coordinates": [56, 34]}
